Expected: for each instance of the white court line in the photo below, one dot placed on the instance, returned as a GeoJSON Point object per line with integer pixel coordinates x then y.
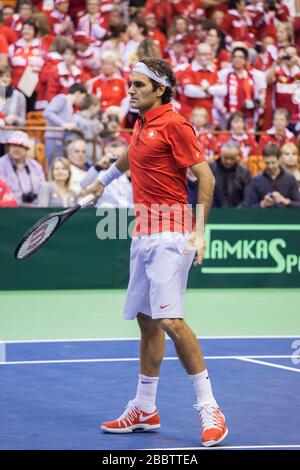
{"type": "Point", "coordinates": [133, 359]}
{"type": "Point", "coordinates": [68, 340]}
{"type": "Point", "coordinates": [2, 352]}
{"type": "Point", "coordinates": [272, 446]}
{"type": "Point", "coordinates": [269, 364]}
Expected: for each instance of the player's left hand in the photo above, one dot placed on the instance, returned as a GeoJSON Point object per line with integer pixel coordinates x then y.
{"type": "Point", "coordinates": [197, 241]}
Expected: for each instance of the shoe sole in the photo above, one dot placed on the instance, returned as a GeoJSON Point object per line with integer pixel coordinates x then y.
{"type": "Point", "coordinates": [214, 443]}
{"type": "Point", "coordinates": [136, 427]}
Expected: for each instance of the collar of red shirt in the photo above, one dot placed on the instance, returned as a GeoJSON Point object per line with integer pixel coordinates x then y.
{"type": "Point", "coordinates": [288, 133]}
{"type": "Point", "coordinates": [158, 111]}
{"type": "Point", "coordinates": [196, 67]}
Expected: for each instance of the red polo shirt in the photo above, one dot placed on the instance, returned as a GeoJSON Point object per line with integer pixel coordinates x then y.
{"type": "Point", "coordinates": [163, 145]}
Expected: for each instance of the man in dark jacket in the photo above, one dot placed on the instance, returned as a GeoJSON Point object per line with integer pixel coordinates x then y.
{"type": "Point", "coordinates": [274, 187]}
{"type": "Point", "coordinates": [232, 179]}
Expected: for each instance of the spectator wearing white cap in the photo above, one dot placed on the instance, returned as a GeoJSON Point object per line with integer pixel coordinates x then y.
{"type": "Point", "coordinates": [23, 175]}
{"type": "Point", "coordinates": [87, 55]}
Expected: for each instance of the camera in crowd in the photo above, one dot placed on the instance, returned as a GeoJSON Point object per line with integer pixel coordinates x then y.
{"type": "Point", "coordinates": [29, 197]}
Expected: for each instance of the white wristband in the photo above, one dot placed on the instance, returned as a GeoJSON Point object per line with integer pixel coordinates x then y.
{"type": "Point", "coordinates": [109, 175]}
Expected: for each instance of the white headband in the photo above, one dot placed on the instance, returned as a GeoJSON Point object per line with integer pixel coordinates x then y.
{"type": "Point", "coordinates": [140, 67]}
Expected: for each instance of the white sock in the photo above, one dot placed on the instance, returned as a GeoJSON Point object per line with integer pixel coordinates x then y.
{"type": "Point", "coordinates": [202, 387]}
{"type": "Point", "coordinates": [146, 393]}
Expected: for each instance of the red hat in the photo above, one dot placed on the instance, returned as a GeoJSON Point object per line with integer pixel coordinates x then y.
{"type": "Point", "coordinates": [82, 36]}
{"type": "Point", "coordinates": [19, 138]}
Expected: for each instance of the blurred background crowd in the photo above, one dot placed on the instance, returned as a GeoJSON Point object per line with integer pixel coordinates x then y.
{"type": "Point", "coordinates": [65, 112]}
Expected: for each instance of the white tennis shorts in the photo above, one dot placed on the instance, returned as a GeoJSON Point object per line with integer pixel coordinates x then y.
{"type": "Point", "coordinates": [159, 268]}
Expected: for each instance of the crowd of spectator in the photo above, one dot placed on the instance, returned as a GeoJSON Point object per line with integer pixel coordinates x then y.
{"type": "Point", "coordinates": [66, 64]}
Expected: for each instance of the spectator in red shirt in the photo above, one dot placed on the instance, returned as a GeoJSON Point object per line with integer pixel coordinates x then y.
{"type": "Point", "coordinates": [7, 198]}
{"type": "Point", "coordinates": [110, 86]}
{"type": "Point", "coordinates": [17, 19]}
{"type": "Point", "coordinates": [180, 29]}
{"type": "Point", "coordinates": [87, 55]}
{"type": "Point", "coordinates": [6, 12]}
{"type": "Point", "coordinates": [175, 55]}
{"type": "Point", "coordinates": [216, 39]}
{"type": "Point", "coordinates": [155, 33]}
{"type": "Point", "coordinates": [76, 10]}
{"type": "Point", "coordinates": [60, 21]}
{"type": "Point", "coordinates": [191, 9]}
{"type": "Point", "coordinates": [163, 11]}
{"type": "Point", "coordinates": [10, 35]}
{"type": "Point", "coordinates": [64, 74]}
{"type": "Point", "coordinates": [284, 75]}
{"type": "Point", "coordinates": [200, 122]}
{"type": "Point", "coordinates": [200, 83]}
{"type": "Point", "coordinates": [266, 24]}
{"type": "Point", "coordinates": [92, 23]}
{"type": "Point", "coordinates": [279, 133]}
{"type": "Point", "coordinates": [285, 34]}
{"type": "Point", "coordinates": [54, 57]}
{"type": "Point", "coordinates": [245, 86]}
{"type": "Point", "coordinates": [41, 21]}
{"type": "Point", "coordinates": [216, 9]}
{"type": "Point", "coordinates": [26, 52]}
{"type": "Point", "coordinates": [237, 23]}
{"type": "Point", "coordinates": [237, 128]}
{"type": "Point", "coordinates": [106, 8]}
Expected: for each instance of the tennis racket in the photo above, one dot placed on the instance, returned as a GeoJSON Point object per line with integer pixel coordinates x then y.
{"type": "Point", "coordinates": [44, 228]}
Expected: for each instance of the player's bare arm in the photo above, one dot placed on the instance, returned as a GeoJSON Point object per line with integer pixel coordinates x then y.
{"type": "Point", "coordinates": [206, 184]}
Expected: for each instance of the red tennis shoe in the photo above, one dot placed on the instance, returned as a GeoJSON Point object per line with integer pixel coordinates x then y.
{"type": "Point", "coordinates": [214, 428]}
{"type": "Point", "coordinates": [133, 419]}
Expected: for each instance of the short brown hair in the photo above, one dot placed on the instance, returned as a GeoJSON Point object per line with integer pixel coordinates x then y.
{"type": "Point", "coordinates": [271, 150]}
{"type": "Point", "coordinates": [89, 100]}
{"type": "Point", "coordinates": [5, 69]}
{"type": "Point", "coordinates": [162, 68]}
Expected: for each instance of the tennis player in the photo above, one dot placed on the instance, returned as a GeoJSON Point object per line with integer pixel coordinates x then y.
{"type": "Point", "coordinates": [162, 148]}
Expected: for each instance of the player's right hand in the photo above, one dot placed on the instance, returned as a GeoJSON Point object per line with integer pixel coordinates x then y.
{"type": "Point", "coordinates": [96, 189]}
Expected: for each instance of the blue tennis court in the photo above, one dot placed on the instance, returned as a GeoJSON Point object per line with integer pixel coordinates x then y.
{"type": "Point", "coordinates": [54, 394]}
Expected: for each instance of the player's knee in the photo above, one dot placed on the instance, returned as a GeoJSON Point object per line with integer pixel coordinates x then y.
{"type": "Point", "coordinates": [172, 326]}
{"type": "Point", "coordinates": [146, 324]}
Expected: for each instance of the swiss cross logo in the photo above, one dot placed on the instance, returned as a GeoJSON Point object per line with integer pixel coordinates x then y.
{"type": "Point", "coordinates": [151, 134]}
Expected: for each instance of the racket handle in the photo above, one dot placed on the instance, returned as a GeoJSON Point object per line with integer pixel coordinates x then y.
{"type": "Point", "coordinates": [87, 200]}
